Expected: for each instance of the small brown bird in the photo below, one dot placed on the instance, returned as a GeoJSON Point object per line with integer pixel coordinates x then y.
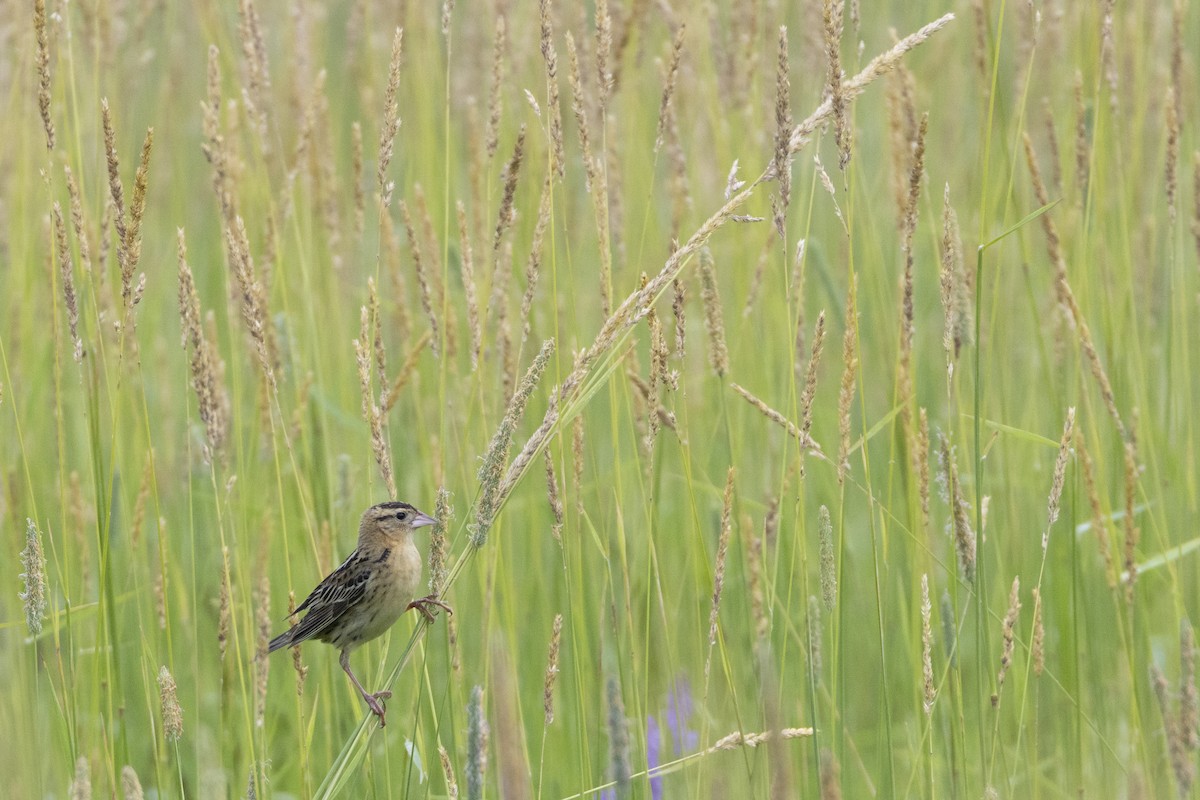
{"type": "Point", "coordinates": [365, 596]}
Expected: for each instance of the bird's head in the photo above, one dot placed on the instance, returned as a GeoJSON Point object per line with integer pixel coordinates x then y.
{"type": "Point", "coordinates": [393, 519]}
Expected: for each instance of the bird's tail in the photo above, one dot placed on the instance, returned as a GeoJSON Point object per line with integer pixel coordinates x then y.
{"type": "Point", "coordinates": [281, 641]}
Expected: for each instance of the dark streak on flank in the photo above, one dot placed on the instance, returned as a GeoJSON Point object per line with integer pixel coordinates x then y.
{"type": "Point", "coordinates": [384, 557]}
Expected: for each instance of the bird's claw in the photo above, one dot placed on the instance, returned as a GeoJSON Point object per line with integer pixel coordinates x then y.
{"type": "Point", "coordinates": [422, 605]}
{"type": "Point", "coordinates": [376, 706]}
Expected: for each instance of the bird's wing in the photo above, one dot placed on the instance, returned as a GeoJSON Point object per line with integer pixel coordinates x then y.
{"type": "Point", "coordinates": [340, 591]}
{"type": "Point", "coordinates": [328, 584]}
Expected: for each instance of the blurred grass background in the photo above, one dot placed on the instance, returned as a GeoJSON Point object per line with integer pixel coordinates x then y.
{"type": "Point", "coordinates": [155, 544]}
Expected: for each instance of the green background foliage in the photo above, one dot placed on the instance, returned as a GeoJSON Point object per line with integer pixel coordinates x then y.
{"type": "Point", "coordinates": [107, 456]}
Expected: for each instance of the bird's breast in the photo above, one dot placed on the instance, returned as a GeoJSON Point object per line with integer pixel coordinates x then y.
{"type": "Point", "coordinates": [393, 586]}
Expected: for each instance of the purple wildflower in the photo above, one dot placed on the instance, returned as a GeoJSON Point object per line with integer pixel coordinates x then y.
{"type": "Point", "coordinates": [653, 754]}
{"type": "Point", "coordinates": [679, 714]}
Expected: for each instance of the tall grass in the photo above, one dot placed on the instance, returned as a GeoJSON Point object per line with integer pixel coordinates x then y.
{"type": "Point", "coordinates": [266, 265]}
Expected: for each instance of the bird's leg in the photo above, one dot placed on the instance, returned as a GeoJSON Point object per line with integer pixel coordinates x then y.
{"type": "Point", "coordinates": [372, 699]}
{"type": "Point", "coordinates": [422, 605]}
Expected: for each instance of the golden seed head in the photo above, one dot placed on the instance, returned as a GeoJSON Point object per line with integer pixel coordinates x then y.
{"type": "Point", "coordinates": [172, 713]}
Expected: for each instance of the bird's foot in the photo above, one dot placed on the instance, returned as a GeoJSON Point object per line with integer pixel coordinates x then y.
{"type": "Point", "coordinates": [422, 605]}
{"type": "Point", "coordinates": [373, 702]}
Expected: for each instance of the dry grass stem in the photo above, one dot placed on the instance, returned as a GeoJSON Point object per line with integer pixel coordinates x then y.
{"type": "Point", "coordinates": [117, 192]}
{"type": "Point", "coordinates": [258, 84]}
{"type": "Point", "coordinates": [875, 69]}
{"type": "Point", "coordinates": [930, 692]}
{"type": "Point", "coordinates": [33, 560]}
{"type": "Point", "coordinates": [1181, 761]}
{"type": "Point", "coordinates": [739, 739]}
{"type": "Point", "coordinates": [212, 401]}
{"type": "Point", "coordinates": [139, 504]}
{"type": "Point", "coordinates": [533, 267]}
{"type": "Point", "coordinates": [754, 569]}
{"type": "Point", "coordinates": [505, 216]}
{"type": "Point", "coordinates": [806, 441]}
{"type": "Point", "coordinates": [172, 713]}
{"type": "Point", "coordinates": [1056, 172]}
{"type": "Point", "coordinates": [223, 607]}
{"type": "Point", "coordinates": [679, 299]}
{"type": "Point", "coordinates": [252, 297]}
{"type": "Point", "coordinates": [356, 162]}
{"type": "Point", "coordinates": [604, 79]}
{"type": "Point", "coordinates": [391, 120]}
{"type": "Point", "coordinates": [297, 661]}
{"type": "Point", "coordinates": [1099, 522]}
{"type": "Point", "coordinates": [829, 584]}
{"type": "Point", "coordinates": [949, 631]}
{"type": "Point", "coordinates": [1038, 647]}
{"type": "Point", "coordinates": [423, 279]}
{"type": "Point", "coordinates": [577, 436]}
{"type": "Point", "coordinates": [467, 262]}
{"type": "Point", "coordinates": [81, 784]}
{"type": "Point", "coordinates": [781, 161]}
{"type": "Point", "coordinates": [921, 459]}
{"type": "Point", "coordinates": [213, 146]}
{"type": "Point", "coordinates": [553, 495]}
{"type": "Point", "coordinates": [1066, 297]}
{"type": "Point", "coordinates": [1171, 168]}
{"type": "Point", "coordinates": [719, 569]}
{"type": "Point", "coordinates": [262, 619]}
{"type": "Point", "coordinates": [579, 109]}
{"type": "Point", "coordinates": [137, 209]}
{"type": "Point", "coordinates": [376, 320]}
{"type": "Point", "coordinates": [955, 289]}
{"type": "Point", "coordinates": [827, 185]}
{"type": "Point", "coordinates": [960, 512]}
{"type": "Point", "coordinates": [439, 543]}
{"type": "Point", "coordinates": [849, 371]}
{"type": "Point", "coordinates": [478, 734]}
{"type": "Point", "coordinates": [131, 787]}
{"type": "Point", "coordinates": [66, 273]}
{"type": "Point", "coordinates": [618, 739]}
{"type": "Point", "coordinates": [42, 60]}
{"type": "Point", "coordinates": [677, 169]}
{"type": "Point", "coordinates": [668, 92]}
{"type": "Point", "coordinates": [1083, 155]}
{"type": "Point", "coordinates": [372, 413]}
{"type": "Point", "coordinates": [495, 483]}
{"type": "Point", "coordinates": [406, 372]}
{"type": "Point", "coordinates": [902, 129]}
{"type": "Point", "coordinates": [714, 323]}
{"type": "Point", "coordinates": [832, 17]}
{"type": "Point", "coordinates": [553, 109]}
{"type": "Point", "coordinates": [1108, 57]}
{"type": "Point", "coordinates": [1009, 638]}
{"type": "Point", "coordinates": [77, 224]}
{"type": "Point", "coordinates": [1132, 533]}
{"type": "Point", "coordinates": [1060, 471]}
{"type": "Point", "coordinates": [495, 103]}
{"type": "Point", "coordinates": [909, 228]}
{"type": "Point", "coordinates": [551, 670]}
{"type": "Point", "coordinates": [448, 772]}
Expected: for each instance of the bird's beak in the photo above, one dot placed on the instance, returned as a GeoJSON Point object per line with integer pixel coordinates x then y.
{"type": "Point", "coordinates": [422, 520]}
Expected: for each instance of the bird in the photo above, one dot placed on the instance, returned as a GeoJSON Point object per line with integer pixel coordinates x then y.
{"type": "Point", "coordinates": [372, 588]}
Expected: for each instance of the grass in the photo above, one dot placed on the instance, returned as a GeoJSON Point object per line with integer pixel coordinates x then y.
{"type": "Point", "coordinates": [714, 640]}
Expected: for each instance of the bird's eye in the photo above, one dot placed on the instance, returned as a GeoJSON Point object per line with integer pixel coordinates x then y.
{"type": "Point", "coordinates": [403, 515]}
